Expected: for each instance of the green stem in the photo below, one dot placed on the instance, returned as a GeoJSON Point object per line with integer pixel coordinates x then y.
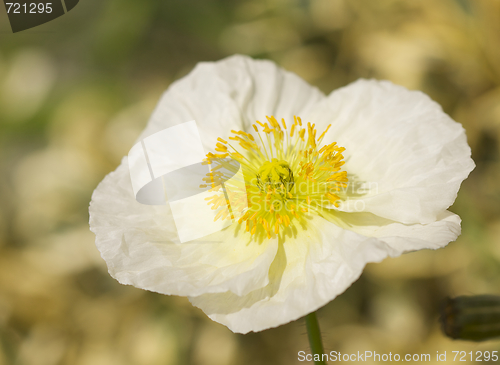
{"type": "Point", "coordinates": [314, 335]}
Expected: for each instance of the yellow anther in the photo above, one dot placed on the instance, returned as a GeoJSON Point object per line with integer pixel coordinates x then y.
{"type": "Point", "coordinates": [301, 134]}
{"type": "Point", "coordinates": [223, 155]}
{"type": "Point", "coordinates": [274, 123]}
{"type": "Point", "coordinates": [267, 129]}
{"type": "Point", "coordinates": [221, 140]}
{"type": "Point", "coordinates": [332, 197]}
{"type": "Point", "coordinates": [221, 148]}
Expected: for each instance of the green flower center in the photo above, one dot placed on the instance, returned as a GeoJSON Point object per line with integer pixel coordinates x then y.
{"type": "Point", "coordinates": [275, 174]}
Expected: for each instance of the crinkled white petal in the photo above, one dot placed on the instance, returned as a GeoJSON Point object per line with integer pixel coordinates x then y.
{"type": "Point", "coordinates": [412, 155]}
{"type": "Point", "coordinates": [320, 264]}
{"type": "Point", "coordinates": [232, 94]}
{"type": "Point", "coordinates": [402, 237]}
{"type": "Point", "coordinates": [308, 272]}
{"type": "Point", "coordinates": [141, 247]}
{"type": "Point", "coordinates": [139, 242]}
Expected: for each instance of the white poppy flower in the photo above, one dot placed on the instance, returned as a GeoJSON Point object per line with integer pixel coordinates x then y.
{"type": "Point", "coordinates": [404, 162]}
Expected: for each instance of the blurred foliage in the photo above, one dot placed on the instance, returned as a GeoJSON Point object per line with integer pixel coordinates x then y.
{"type": "Point", "coordinates": [76, 92]}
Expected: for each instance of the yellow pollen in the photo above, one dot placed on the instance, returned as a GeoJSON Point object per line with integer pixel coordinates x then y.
{"type": "Point", "coordinates": [301, 134]}
{"type": "Point", "coordinates": [285, 171]}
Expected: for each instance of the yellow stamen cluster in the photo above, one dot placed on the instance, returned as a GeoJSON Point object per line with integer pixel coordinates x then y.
{"type": "Point", "coordinates": [286, 175]}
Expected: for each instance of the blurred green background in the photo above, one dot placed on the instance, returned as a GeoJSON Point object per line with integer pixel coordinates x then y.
{"type": "Point", "coordinates": [76, 92]}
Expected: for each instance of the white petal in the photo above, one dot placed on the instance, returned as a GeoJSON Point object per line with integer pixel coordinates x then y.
{"type": "Point", "coordinates": [308, 272]}
{"type": "Point", "coordinates": [138, 241]}
{"type": "Point", "coordinates": [140, 246]}
{"type": "Point", "coordinates": [402, 143]}
{"type": "Point", "coordinates": [232, 94]}
{"type": "Point", "coordinates": [404, 237]}
{"type": "Point", "coordinates": [313, 269]}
